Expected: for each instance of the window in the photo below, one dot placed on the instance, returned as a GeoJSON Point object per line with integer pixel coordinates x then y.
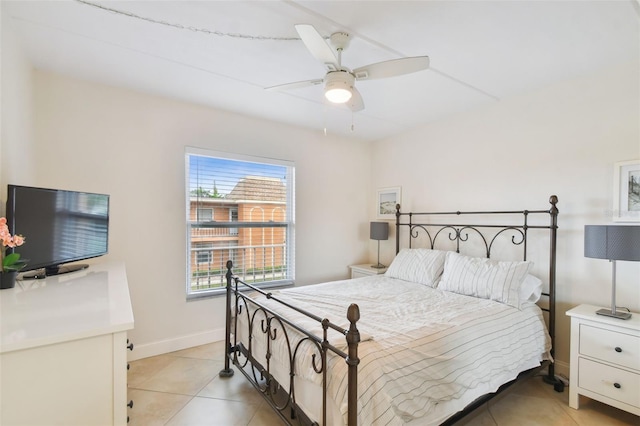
{"type": "Point", "coordinates": [238, 208]}
{"type": "Point", "coordinates": [205, 215]}
{"type": "Point", "coordinates": [233, 217]}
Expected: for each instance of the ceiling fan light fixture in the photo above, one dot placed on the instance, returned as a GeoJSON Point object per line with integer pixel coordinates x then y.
{"type": "Point", "coordinates": [338, 95]}
{"type": "Point", "coordinates": [338, 87]}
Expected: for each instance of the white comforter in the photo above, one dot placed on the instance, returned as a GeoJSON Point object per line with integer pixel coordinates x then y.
{"type": "Point", "coordinates": [425, 354]}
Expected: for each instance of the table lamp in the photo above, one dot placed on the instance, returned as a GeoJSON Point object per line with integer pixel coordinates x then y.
{"type": "Point", "coordinates": [612, 242]}
{"type": "Point", "coordinates": [379, 231]}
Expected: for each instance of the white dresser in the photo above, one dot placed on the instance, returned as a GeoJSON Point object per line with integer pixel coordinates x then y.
{"type": "Point", "coordinates": [605, 359]}
{"type": "Point", "coordinates": [63, 352]}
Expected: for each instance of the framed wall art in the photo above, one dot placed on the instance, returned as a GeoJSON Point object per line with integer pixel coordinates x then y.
{"type": "Point", "coordinates": [626, 191]}
{"type": "Point", "coordinates": [386, 201]}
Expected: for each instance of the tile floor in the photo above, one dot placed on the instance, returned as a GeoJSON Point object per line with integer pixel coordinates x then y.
{"type": "Point", "coordinates": [183, 388]}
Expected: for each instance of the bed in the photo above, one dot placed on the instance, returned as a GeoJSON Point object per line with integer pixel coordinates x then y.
{"type": "Point", "coordinates": [453, 320]}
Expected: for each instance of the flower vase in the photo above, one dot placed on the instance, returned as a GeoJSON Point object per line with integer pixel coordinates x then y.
{"type": "Point", "coordinates": [8, 279]}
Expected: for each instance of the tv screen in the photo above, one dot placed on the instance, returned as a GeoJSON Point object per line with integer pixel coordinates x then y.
{"type": "Point", "coordinates": [58, 226]}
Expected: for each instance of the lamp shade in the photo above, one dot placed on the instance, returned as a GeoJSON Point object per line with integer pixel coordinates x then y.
{"type": "Point", "coordinates": [379, 231]}
{"type": "Point", "coordinates": [612, 242]}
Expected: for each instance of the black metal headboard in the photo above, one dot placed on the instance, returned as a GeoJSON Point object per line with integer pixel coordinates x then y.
{"type": "Point", "coordinates": [457, 234]}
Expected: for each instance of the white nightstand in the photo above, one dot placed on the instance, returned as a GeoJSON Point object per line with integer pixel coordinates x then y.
{"type": "Point", "coordinates": [365, 269]}
{"type": "Point", "coordinates": [605, 359]}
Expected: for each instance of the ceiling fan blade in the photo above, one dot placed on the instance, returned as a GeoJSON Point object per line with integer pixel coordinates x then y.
{"type": "Point", "coordinates": [295, 85]}
{"type": "Point", "coordinates": [356, 103]}
{"type": "Point", "coordinates": [317, 46]}
{"type": "Point", "coordinates": [392, 68]}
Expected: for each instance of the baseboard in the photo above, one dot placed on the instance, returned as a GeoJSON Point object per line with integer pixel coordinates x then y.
{"type": "Point", "coordinates": [562, 368]}
{"type": "Point", "coordinates": [561, 371]}
{"type": "Point", "coordinates": [147, 350]}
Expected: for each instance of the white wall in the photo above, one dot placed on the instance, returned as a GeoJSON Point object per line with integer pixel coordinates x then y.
{"type": "Point", "coordinates": [16, 136]}
{"type": "Point", "coordinates": [561, 140]}
{"type": "Point", "coordinates": [131, 145]}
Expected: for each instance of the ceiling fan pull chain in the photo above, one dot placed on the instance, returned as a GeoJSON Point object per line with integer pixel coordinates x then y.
{"type": "Point", "coordinates": [324, 118]}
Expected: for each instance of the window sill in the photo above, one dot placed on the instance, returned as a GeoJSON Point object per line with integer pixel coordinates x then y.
{"type": "Point", "coordinates": [222, 291]}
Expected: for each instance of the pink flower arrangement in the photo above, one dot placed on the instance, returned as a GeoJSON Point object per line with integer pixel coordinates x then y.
{"type": "Point", "coordinates": [10, 262]}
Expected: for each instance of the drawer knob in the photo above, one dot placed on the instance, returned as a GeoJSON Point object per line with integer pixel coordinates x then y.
{"type": "Point", "coordinates": [130, 346]}
{"type": "Point", "coordinates": [617, 385]}
{"type": "Point", "coordinates": [618, 349]}
{"type": "Point", "coordinates": [130, 404]}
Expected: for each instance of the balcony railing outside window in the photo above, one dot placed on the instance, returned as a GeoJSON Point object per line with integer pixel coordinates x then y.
{"type": "Point", "coordinates": [251, 263]}
{"type": "Point", "coordinates": [263, 258]}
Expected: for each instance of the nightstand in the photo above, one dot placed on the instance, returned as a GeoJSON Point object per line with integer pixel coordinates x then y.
{"type": "Point", "coordinates": [365, 270]}
{"type": "Point", "coordinates": [605, 359]}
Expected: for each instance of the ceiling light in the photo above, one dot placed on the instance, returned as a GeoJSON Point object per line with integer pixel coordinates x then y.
{"type": "Point", "coordinates": [337, 86]}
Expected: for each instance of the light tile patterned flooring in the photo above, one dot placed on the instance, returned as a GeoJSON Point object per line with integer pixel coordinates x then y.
{"type": "Point", "coordinates": [183, 388]}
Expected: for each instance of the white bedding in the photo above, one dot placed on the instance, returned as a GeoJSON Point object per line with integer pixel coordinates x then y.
{"type": "Point", "coordinates": [425, 355]}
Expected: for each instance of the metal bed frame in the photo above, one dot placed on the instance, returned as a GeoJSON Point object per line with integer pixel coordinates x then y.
{"type": "Point", "coordinates": [269, 324]}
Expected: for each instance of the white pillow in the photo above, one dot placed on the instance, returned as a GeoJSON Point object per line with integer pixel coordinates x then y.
{"type": "Point", "coordinates": [531, 289]}
{"type": "Point", "coordinates": [484, 278]}
{"type": "Point", "coordinates": [419, 265]}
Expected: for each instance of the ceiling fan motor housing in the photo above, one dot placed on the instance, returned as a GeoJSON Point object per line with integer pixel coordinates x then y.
{"type": "Point", "coordinates": [339, 40]}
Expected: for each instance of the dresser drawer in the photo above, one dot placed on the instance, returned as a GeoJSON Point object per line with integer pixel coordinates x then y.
{"type": "Point", "coordinates": [608, 381]}
{"type": "Point", "coordinates": [358, 274]}
{"type": "Point", "coordinates": [610, 346]}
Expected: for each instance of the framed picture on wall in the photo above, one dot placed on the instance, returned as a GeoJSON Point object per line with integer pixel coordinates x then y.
{"type": "Point", "coordinates": [626, 191]}
{"type": "Point", "coordinates": [386, 201]}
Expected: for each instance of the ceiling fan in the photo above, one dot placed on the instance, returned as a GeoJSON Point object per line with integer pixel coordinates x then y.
{"type": "Point", "coordinates": [339, 81]}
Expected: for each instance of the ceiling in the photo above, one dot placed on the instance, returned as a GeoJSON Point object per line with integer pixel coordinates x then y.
{"type": "Point", "coordinates": [480, 52]}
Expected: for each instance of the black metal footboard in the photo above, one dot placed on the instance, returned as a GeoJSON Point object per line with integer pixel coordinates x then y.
{"type": "Point", "coordinates": [264, 322]}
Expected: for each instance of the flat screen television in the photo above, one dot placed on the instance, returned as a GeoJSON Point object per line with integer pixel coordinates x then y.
{"type": "Point", "coordinates": [59, 227]}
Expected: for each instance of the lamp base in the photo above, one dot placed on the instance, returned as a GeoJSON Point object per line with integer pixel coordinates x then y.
{"type": "Point", "coordinates": [378, 266]}
{"type": "Point", "coordinates": [617, 314]}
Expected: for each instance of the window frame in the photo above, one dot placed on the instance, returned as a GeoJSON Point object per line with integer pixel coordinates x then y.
{"type": "Point", "coordinates": [288, 223]}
